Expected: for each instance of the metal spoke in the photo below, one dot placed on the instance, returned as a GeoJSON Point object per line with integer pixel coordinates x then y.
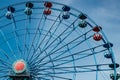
{"type": "Point", "coordinates": [46, 40]}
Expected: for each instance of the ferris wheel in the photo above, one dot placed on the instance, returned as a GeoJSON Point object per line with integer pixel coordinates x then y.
{"type": "Point", "coordinates": [42, 40]}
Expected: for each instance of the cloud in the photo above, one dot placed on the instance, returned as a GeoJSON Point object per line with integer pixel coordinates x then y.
{"type": "Point", "coordinates": [107, 14]}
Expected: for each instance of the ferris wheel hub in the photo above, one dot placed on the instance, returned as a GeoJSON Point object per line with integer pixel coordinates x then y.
{"type": "Point", "coordinates": [19, 66]}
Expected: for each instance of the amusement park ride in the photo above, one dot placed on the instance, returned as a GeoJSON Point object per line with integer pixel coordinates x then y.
{"type": "Point", "coordinates": [57, 42]}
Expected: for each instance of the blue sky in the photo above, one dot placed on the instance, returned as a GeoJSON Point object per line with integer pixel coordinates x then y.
{"type": "Point", "coordinates": [105, 13]}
